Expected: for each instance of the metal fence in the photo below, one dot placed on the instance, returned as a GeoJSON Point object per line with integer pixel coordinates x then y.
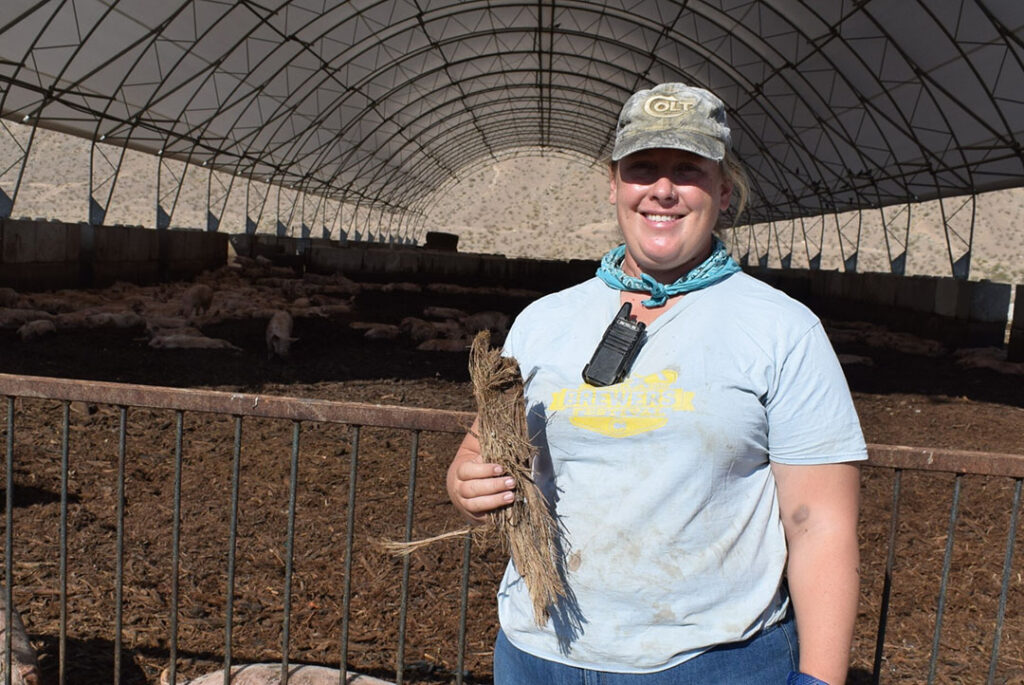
{"type": "Point", "coordinates": [896, 462]}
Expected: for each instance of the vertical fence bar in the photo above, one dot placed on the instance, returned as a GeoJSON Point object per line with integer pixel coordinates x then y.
{"type": "Point", "coordinates": [289, 552]}
{"type": "Point", "coordinates": [9, 541]}
{"type": "Point", "coordinates": [179, 427]}
{"type": "Point", "coordinates": [65, 466]}
{"type": "Point", "coordinates": [346, 599]}
{"type": "Point", "coordinates": [890, 562]}
{"type": "Point", "coordinates": [1004, 587]}
{"type": "Point", "coordinates": [406, 560]}
{"type": "Point", "coordinates": [122, 449]}
{"type": "Point", "coordinates": [229, 609]}
{"type": "Point", "coordinates": [947, 560]}
{"type": "Point", "coordinates": [464, 608]}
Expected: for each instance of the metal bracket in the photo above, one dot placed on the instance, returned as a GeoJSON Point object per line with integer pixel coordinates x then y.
{"type": "Point", "coordinates": [761, 237]}
{"type": "Point", "coordinates": [286, 205]}
{"type": "Point", "coordinates": [15, 145]}
{"type": "Point", "coordinates": [849, 245]}
{"type": "Point", "coordinates": [103, 172]}
{"type": "Point", "coordinates": [813, 229]}
{"type": "Point", "coordinates": [167, 199]}
{"type": "Point", "coordinates": [896, 230]}
{"type": "Point", "coordinates": [958, 217]}
{"type": "Point", "coordinates": [784, 247]}
{"type": "Point", "coordinates": [255, 200]}
{"type": "Point", "coordinates": [217, 201]}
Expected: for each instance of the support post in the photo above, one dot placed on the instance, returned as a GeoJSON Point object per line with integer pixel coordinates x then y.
{"type": "Point", "coordinates": [217, 194]}
{"type": "Point", "coordinates": [15, 146]}
{"type": "Point", "coordinates": [255, 201]}
{"type": "Point", "coordinates": [958, 216]}
{"type": "Point", "coordinates": [813, 229]}
{"type": "Point", "coordinates": [848, 229]}
{"type": "Point", "coordinates": [896, 229]}
{"type": "Point", "coordinates": [104, 167]}
{"type": "Point", "coordinates": [168, 188]}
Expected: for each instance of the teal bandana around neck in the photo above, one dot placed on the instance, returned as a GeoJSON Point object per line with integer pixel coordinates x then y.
{"type": "Point", "coordinates": [713, 269]}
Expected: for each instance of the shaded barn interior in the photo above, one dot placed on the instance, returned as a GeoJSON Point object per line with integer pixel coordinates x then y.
{"type": "Point", "coordinates": [339, 124]}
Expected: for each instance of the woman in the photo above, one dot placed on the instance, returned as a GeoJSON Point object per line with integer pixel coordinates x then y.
{"type": "Point", "coordinates": [708, 499]}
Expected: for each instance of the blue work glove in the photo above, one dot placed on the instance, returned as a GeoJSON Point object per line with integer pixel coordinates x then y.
{"type": "Point", "coordinates": [796, 678]}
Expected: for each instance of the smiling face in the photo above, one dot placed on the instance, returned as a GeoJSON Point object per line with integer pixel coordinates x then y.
{"type": "Point", "coordinates": [667, 203]}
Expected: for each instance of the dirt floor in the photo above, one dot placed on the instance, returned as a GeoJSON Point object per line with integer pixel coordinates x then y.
{"type": "Point", "coordinates": [904, 399]}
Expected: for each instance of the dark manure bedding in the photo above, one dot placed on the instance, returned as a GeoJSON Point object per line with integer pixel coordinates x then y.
{"type": "Point", "coordinates": [902, 399]}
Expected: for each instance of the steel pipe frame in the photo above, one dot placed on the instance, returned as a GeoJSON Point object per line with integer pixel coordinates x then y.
{"type": "Point", "coordinates": [958, 247]}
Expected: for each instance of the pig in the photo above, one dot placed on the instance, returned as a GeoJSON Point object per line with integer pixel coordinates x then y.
{"type": "Point", "coordinates": [292, 288]}
{"type": "Point", "coordinates": [24, 662]}
{"type": "Point", "coordinates": [181, 342]}
{"type": "Point", "coordinates": [495, 322]}
{"type": "Point", "coordinates": [449, 289]}
{"type": "Point", "coordinates": [14, 318]}
{"type": "Point", "coordinates": [381, 331]}
{"type": "Point", "coordinates": [418, 329]}
{"type": "Point", "coordinates": [196, 300]}
{"type": "Point", "coordinates": [270, 674]}
{"type": "Point", "coordinates": [987, 358]}
{"type": "Point", "coordinates": [72, 320]}
{"type": "Point", "coordinates": [401, 287]}
{"type": "Point", "coordinates": [279, 334]}
{"type": "Point", "coordinates": [449, 328]}
{"type": "Point", "coordinates": [8, 297]}
{"type": "Point", "coordinates": [36, 329]}
{"type": "Point", "coordinates": [156, 323]}
{"type": "Point", "coordinates": [183, 330]}
{"type": "Point", "coordinates": [444, 313]}
{"type": "Point", "coordinates": [326, 311]}
{"type": "Point", "coordinates": [55, 304]}
{"type": "Point", "coordinates": [114, 320]}
{"type": "Point", "coordinates": [443, 345]}
{"type": "Point", "coordinates": [342, 287]}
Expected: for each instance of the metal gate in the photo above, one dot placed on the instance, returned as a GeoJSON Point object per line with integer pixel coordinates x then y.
{"type": "Point", "coordinates": [239, 408]}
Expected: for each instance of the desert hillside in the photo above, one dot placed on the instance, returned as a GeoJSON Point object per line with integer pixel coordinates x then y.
{"type": "Point", "coordinates": [549, 207]}
{"type": "Point", "coordinates": [544, 207]}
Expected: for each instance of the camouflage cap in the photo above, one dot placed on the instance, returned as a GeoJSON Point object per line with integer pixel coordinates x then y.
{"type": "Point", "coordinates": [673, 115]}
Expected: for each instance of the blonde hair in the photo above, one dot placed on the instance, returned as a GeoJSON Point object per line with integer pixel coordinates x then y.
{"type": "Point", "coordinates": [733, 171]}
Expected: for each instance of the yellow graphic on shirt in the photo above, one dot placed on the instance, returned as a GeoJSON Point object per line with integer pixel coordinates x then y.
{"type": "Point", "coordinates": [636, 405]}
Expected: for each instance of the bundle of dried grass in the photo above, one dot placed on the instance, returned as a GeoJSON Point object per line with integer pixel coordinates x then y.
{"type": "Point", "coordinates": [526, 526]}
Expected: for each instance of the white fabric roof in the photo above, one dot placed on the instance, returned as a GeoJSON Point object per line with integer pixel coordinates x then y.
{"type": "Point", "coordinates": [835, 104]}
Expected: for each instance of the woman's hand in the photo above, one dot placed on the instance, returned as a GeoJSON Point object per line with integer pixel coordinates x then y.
{"type": "Point", "coordinates": [477, 488]}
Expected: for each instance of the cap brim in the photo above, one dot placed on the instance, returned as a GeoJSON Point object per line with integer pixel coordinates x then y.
{"type": "Point", "coordinates": [690, 141]}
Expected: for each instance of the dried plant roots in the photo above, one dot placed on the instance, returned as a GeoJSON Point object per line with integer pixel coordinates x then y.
{"type": "Point", "coordinates": [526, 526]}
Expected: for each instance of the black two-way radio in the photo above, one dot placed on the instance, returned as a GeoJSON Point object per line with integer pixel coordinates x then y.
{"type": "Point", "coordinates": [616, 351]}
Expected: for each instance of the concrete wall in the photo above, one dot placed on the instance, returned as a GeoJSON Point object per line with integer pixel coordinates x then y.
{"type": "Point", "coordinates": [40, 255]}
{"type": "Point", "coordinates": [376, 262]}
{"type": "Point", "coordinates": [955, 312]}
{"type": "Point", "coordinates": [34, 253]}
{"type": "Point", "coordinates": [47, 255]}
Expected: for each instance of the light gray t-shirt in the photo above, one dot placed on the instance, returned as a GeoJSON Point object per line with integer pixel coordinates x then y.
{"type": "Point", "coordinates": [662, 484]}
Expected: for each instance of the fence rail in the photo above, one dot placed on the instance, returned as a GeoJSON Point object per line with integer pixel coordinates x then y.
{"type": "Point", "coordinates": [355, 416]}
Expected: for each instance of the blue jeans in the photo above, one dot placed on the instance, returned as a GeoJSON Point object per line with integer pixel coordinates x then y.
{"type": "Point", "coordinates": [765, 659]}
